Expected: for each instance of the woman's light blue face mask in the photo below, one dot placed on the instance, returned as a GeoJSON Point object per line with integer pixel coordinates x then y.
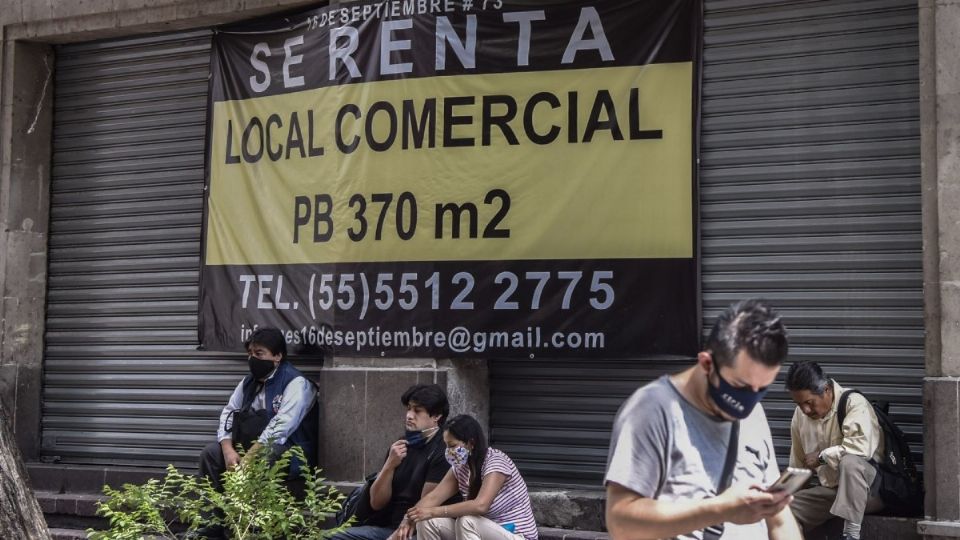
{"type": "Point", "coordinates": [736, 402]}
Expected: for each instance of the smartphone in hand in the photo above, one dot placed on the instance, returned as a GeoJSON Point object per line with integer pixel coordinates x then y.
{"type": "Point", "coordinates": [791, 480]}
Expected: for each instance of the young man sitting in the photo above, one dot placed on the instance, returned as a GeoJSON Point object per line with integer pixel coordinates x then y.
{"type": "Point", "coordinates": [413, 468]}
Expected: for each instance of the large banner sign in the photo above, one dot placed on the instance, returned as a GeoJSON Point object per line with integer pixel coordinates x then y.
{"type": "Point", "coordinates": [441, 178]}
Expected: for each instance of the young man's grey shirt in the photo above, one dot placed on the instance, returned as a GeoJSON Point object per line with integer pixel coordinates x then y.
{"type": "Point", "coordinates": [662, 447]}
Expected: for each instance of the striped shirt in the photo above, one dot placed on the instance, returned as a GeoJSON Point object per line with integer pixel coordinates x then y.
{"type": "Point", "coordinates": [512, 503]}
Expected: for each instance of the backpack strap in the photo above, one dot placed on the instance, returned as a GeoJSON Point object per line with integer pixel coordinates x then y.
{"type": "Point", "coordinates": [733, 448]}
{"type": "Point", "coordinates": [882, 421]}
{"type": "Point", "coordinates": [714, 532]}
{"type": "Point", "coordinates": [842, 406]}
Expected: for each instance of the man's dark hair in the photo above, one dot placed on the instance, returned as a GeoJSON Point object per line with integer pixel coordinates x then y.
{"type": "Point", "coordinates": [807, 376]}
{"type": "Point", "coordinates": [751, 326]}
{"type": "Point", "coordinates": [269, 338]}
{"type": "Point", "coordinates": [429, 396]}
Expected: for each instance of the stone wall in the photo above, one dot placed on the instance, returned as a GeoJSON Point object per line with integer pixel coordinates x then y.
{"type": "Point", "coordinates": [362, 414]}
{"type": "Point", "coordinates": [940, 181]}
{"type": "Point", "coordinates": [24, 183]}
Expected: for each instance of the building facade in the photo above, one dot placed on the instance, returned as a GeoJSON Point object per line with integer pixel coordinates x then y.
{"type": "Point", "coordinates": [829, 157]}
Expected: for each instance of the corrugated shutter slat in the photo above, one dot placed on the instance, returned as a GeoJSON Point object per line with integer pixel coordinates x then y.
{"type": "Point", "coordinates": [810, 187]}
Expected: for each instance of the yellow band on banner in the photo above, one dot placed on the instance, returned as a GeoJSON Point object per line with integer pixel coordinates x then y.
{"type": "Point", "coordinates": [575, 164]}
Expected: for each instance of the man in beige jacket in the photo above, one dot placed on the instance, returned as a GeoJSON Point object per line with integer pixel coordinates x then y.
{"type": "Point", "coordinates": [839, 455]}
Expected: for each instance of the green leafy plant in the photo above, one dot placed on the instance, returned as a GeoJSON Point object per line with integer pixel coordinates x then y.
{"type": "Point", "coordinates": [256, 503]}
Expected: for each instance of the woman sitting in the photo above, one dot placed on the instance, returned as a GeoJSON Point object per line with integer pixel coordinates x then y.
{"type": "Point", "coordinates": [496, 503]}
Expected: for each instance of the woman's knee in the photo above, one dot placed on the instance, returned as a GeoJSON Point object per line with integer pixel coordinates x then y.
{"type": "Point", "coordinates": [468, 522]}
{"type": "Point", "coordinates": [429, 528]}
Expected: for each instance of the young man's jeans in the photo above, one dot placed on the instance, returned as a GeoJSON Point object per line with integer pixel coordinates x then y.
{"type": "Point", "coordinates": [365, 532]}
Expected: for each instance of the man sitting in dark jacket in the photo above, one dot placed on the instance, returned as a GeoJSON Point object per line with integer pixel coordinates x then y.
{"type": "Point", "coordinates": [275, 404]}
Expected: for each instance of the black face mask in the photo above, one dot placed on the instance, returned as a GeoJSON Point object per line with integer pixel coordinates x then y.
{"type": "Point", "coordinates": [418, 438]}
{"type": "Point", "coordinates": [259, 368]}
{"type": "Point", "coordinates": [735, 401]}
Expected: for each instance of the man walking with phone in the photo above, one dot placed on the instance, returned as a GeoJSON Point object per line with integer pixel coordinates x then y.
{"type": "Point", "coordinates": [691, 454]}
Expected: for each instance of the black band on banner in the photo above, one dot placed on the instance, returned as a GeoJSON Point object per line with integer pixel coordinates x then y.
{"type": "Point", "coordinates": [502, 308]}
{"type": "Point", "coordinates": [372, 41]}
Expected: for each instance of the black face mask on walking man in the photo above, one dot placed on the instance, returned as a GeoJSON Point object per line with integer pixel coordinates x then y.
{"type": "Point", "coordinates": [736, 402]}
{"type": "Point", "coordinates": [260, 368]}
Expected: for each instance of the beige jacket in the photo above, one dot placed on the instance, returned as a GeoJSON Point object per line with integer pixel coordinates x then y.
{"type": "Point", "coordinates": [860, 435]}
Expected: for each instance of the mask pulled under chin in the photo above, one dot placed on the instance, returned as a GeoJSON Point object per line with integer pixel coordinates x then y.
{"type": "Point", "coordinates": [736, 402]}
{"type": "Point", "coordinates": [417, 438]}
{"type": "Point", "coordinates": [260, 368]}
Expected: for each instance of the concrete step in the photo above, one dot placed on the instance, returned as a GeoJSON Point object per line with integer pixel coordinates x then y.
{"type": "Point", "coordinates": [58, 478]}
{"type": "Point", "coordinates": [69, 504]}
{"type": "Point", "coordinates": [550, 533]}
{"type": "Point", "coordinates": [874, 527]}
{"type": "Point", "coordinates": [68, 497]}
{"type": "Point", "coordinates": [67, 534]}
{"type": "Point", "coordinates": [71, 511]}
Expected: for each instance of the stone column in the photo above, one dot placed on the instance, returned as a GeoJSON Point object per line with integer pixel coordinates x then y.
{"type": "Point", "coordinates": [25, 142]}
{"type": "Point", "coordinates": [361, 413]}
{"type": "Point", "coordinates": [940, 181]}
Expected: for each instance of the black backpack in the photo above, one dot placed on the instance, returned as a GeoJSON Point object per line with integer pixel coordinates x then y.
{"type": "Point", "coordinates": [357, 504]}
{"type": "Point", "coordinates": [901, 486]}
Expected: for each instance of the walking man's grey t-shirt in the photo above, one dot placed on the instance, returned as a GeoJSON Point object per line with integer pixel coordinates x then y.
{"type": "Point", "coordinates": [662, 447]}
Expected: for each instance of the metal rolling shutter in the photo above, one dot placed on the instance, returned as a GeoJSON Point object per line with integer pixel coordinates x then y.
{"type": "Point", "coordinates": [123, 382]}
{"type": "Point", "coordinates": [810, 197]}
{"type": "Point", "coordinates": [810, 187]}
{"type": "Point", "coordinates": [553, 416]}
